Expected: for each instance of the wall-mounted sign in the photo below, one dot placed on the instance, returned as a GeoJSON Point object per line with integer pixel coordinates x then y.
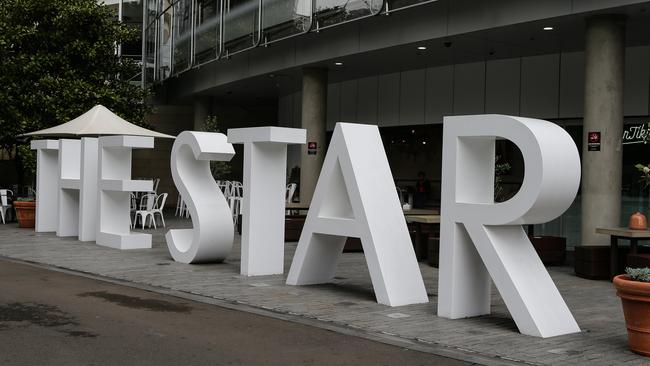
{"type": "Point", "coordinates": [636, 134]}
{"type": "Point", "coordinates": [593, 141]}
{"type": "Point", "coordinates": [312, 147]}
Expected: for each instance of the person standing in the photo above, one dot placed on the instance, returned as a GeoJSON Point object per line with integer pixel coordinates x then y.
{"type": "Point", "coordinates": [422, 190]}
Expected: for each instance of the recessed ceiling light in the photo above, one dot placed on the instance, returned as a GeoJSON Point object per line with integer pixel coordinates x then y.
{"type": "Point", "coordinates": [422, 48]}
{"type": "Point", "coordinates": [548, 28]}
{"type": "Point", "coordinates": [338, 63]}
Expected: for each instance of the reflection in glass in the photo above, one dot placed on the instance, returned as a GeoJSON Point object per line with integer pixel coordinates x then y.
{"type": "Point", "coordinates": [331, 12]}
{"type": "Point", "coordinates": [149, 56]}
{"type": "Point", "coordinates": [206, 33]}
{"type": "Point", "coordinates": [132, 16]}
{"type": "Point", "coordinates": [151, 11]}
{"type": "Point", "coordinates": [399, 4]}
{"type": "Point", "coordinates": [240, 24]}
{"type": "Point", "coordinates": [182, 34]}
{"type": "Point", "coordinates": [284, 18]}
{"type": "Point", "coordinates": [164, 44]}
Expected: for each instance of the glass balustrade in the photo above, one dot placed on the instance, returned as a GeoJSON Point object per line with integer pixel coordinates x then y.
{"type": "Point", "coordinates": [207, 31]}
{"type": "Point", "coordinates": [184, 33]}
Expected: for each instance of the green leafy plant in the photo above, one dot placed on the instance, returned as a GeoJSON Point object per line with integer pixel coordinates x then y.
{"type": "Point", "coordinates": [25, 199]}
{"type": "Point", "coordinates": [500, 169]}
{"type": "Point", "coordinates": [638, 274]}
{"type": "Point", "coordinates": [644, 180]}
{"type": "Point", "coordinates": [58, 59]}
{"type": "Point", "coordinates": [219, 169]}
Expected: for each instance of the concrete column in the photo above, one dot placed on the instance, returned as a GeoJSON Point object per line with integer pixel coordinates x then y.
{"type": "Point", "coordinates": [314, 112]}
{"type": "Point", "coordinates": [601, 170]}
{"type": "Point", "coordinates": [201, 111]}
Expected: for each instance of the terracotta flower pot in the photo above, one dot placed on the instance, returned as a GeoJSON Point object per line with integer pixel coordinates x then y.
{"type": "Point", "coordinates": [638, 221]}
{"type": "Point", "coordinates": [25, 213]}
{"type": "Point", "coordinates": [635, 296]}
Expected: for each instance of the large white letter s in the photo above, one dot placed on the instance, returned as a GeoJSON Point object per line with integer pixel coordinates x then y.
{"type": "Point", "coordinates": [212, 236]}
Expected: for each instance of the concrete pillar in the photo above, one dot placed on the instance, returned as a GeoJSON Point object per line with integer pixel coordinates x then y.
{"type": "Point", "coordinates": [201, 111]}
{"type": "Point", "coordinates": [601, 169]}
{"type": "Point", "coordinates": [314, 112]}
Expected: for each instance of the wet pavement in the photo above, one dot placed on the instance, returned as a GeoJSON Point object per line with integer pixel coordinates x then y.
{"type": "Point", "coordinates": [53, 318]}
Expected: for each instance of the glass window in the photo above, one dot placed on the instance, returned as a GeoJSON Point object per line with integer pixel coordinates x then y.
{"type": "Point", "coordinates": [150, 55]}
{"type": "Point", "coordinates": [331, 12]}
{"type": "Point", "coordinates": [284, 18]}
{"type": "Point", "coordinates": [132, 16]}
{"type": "Point", "coordinates": [240, 31]}
{"type": "Point", "coordinates": [182, 35]}
{"type": "Point", "coordinates": [152, 10]}
{"type": "Point", "coordinates": [164, 44]}
{"type": "Point", "coordinates": [400, 4]}
{"type": "Point", "coordinates": [206, 34]}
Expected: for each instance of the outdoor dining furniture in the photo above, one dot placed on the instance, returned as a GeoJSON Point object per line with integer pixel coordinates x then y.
{"type": "Point", "coordinates": [622, 233]}
{"type": "Point", "coordinates": [5, 205]}
{"type": "Point", "coordinates": [420, 244]}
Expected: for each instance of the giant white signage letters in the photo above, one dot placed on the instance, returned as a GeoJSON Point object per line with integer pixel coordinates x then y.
{"type": "Point", "coordinates": [480, 239]}
{"type": "Point", "coordinates": [212, 236]}
{"type": "Point", "coordinates": [47, 176]}
{"type": "Point", "coordinates": [115, 187]}
{"type": "Point", "coordinates": [355, 196]}
{"type": "Point", "coordinates": [69, 185]}
{"type": "Point", "coordinates": [265, 166]}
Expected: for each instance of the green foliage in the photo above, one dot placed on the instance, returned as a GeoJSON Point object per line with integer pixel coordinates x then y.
{"type": "Point", "coordinates": [219, 169]}
{"type": "Point", "coordinates": [25, 199]}
{"type": "Point", "coordinates": [500, 169]}
{"type": "Point", "coordinates": [58, 60]}
{"type": "Point", "coordinates": [644, 180]}
{"type": "Point", "coordinates": [638, 274]}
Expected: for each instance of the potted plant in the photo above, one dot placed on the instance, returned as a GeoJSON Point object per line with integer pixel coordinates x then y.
{"type": "Point", "coordinates": [634, 290]}
{"type": "Point", "coordinates": [25, 211]}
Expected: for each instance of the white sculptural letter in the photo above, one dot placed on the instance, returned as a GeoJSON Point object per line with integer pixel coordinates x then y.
{"type": "Point", "coordinates": [114, 192]}
{"type": "Point", "coordinates": [47, 175]}
{"type": "Point", "coordinates": [265, 166]}
{"type": "Point", "coordinates": [355, 197]}
{"type": "Point", "coordinates": [481, 239]}
{"type": "Point", "coordinates": [88, 189]}
{"type": "Point", "coordinates": [69, 183]}
{"type": "Point", "coordinates": [212, 236]}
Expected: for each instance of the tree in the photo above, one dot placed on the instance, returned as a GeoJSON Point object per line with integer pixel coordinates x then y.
{"type": "Point", "coordinates": [57, 60]}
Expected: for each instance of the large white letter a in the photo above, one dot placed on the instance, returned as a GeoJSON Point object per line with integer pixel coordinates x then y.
{"type": "Point", "coordinates": [355, 197]}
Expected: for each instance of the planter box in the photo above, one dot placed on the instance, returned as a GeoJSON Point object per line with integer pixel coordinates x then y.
{"type": "Point", "coordinates": [25, 213]}
{"type": "Point", "coordinates": [551, 249]}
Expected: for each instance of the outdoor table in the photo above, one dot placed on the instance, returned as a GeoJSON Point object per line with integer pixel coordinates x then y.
{"type": "Point", "coordinates": [419, 220]}
{"type": "Point", "coordinates": [420, 211]}
{"type": "Point", "coordinates": [622, 233]}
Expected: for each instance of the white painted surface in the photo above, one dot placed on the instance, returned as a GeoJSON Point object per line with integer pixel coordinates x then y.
{"type": "Point", "coordinates": [47, 174]}
{"type": "Point", "coordinates": [265, 164]}
{"type": "Point", "coordinates": [69, 183]}
{"type": "Point", "coordinates": [88, 189]}
{"type": "Point", "coordinates": [480, 239]}
{"type": "Point", "coordinates": [211, 238]}
{"type": "Point", "coordinates": [355, 197]}
{"type": "Point", "coordinates": [113, 206]}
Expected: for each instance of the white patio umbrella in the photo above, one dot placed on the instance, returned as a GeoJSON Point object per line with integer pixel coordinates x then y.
{"type": "Point", "coordinates": [98, 121]}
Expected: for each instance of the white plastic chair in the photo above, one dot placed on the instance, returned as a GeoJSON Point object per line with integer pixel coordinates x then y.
{"type": "Point", "coordinates": [155, 185]}
{"type": "Point", "coordinates": [180, 206]}
{"type": "Point", "coordinates": [291, 190]}
{"type": "Point", "coordinates": [4, 202]}
{"type": "Point", "coordinates": [158, 208]}
{"type": "Point", "coordinates": [145, 210]}
{"type": "Point", "coordinates": [134, 208]}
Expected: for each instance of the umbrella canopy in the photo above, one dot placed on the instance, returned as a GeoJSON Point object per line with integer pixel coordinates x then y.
{"type": "Point", "coordinates": [98, 121]}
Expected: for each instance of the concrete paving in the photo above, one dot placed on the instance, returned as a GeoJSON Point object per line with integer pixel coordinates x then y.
{"type": "Point", "coordinates": [347, 304]}
{"type": "Point", "coordinates": [52, 318]}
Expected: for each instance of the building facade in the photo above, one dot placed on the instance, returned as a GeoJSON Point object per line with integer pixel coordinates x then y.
{"type": "Point", "coordinates": [404, 65]}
